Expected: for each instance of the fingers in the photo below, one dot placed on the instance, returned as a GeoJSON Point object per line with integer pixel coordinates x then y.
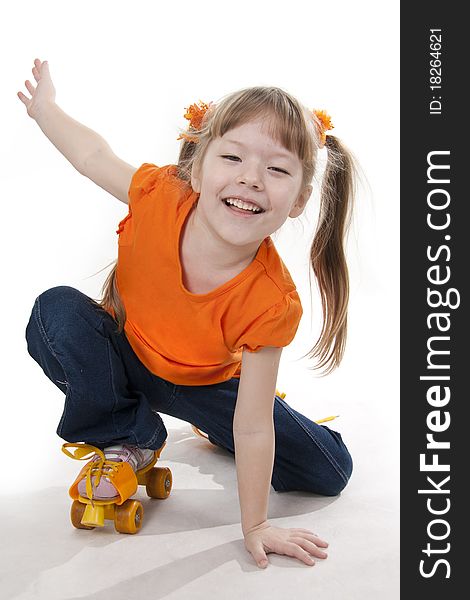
{"type": "Point", "coordinates": [316, 540]}
{"type": "Point", "coordinates": [260, 557]}
{"type": "Point", "coordinates": [37, 74]}
{"type": "Point", "coordinates": [310, 547]}
{"type": "Point", "coordinates": [37, 69]}
{"type": "Point", "coordinates": [30, 87]}
{"type": "Point", "coordinates": [310, 535]}
{"type": "Point", "coordinates": [299, 543]}
{"type": "Point", "coordinates": [301, 530]}
{"type": "Point", "coordinates": [296, 551]}
{"type": "Point", "coordinates": [23, 98]}
{"type": "Point", "coordinates": [40, 65]}
{"type": "Point", "coordinates": [309, 544]}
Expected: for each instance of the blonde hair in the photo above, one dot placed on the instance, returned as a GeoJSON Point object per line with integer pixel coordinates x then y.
{"type": "Point", "coordinates": [296, 128]}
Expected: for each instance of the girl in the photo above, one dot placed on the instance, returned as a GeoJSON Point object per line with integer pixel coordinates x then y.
{"type": "Point", "coordinates": [199, 305]}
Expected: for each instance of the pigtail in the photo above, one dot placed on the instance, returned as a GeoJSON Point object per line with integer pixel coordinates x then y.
{"type": "Point", "coordinates": [185, 160]}
{"type": "Point", "coordinates": [110, 299]}
{"type": "Point", "coordinates": [327, 254]}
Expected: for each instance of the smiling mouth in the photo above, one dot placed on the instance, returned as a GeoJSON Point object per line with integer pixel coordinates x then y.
{"type": "Point", "coordinates": [242, 211]}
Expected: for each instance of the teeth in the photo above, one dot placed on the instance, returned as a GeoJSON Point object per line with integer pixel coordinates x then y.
{"type": "Point", "coordinates": [240, 204]}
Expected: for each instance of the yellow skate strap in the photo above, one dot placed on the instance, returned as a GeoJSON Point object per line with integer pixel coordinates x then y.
{"type": "Point", "coordinates": [324, 420]}
{"type": "Point", "coordinates": [96, 467]}
{"type": "Point", "coordinates": [327, 419]}
{"type": "Point", "coordinates": [82, 451]}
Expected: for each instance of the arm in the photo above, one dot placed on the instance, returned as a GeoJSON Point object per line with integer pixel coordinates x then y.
{"type": "Point", "coordinates": [253, 432]}
{"type": "Point", "coordinates": [85, 149]}
{"type": "Point", "coordinates": [254, 455]}
{"type": "Point", "coordinates": [88, 152]}
{"type": "Point", "coordinates": [74, 140]}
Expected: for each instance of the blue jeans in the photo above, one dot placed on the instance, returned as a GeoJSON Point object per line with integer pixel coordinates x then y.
{"type": "Point", "coordinates": [112, 398]}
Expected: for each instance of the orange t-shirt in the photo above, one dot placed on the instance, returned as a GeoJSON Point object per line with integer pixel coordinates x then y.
{"type": "Point", "coordinates": [186, 338]}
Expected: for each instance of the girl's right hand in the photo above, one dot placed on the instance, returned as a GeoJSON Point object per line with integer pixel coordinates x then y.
{"type": "Point", "coordinates": [296, 542]}
{"type": "Point", "coordinates": [43, 93]}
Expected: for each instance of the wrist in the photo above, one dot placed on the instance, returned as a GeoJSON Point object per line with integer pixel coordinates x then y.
{"type": "Point", "coordinates": [247, 529]}
{"type": "Point", "coordinates": [44, 110]}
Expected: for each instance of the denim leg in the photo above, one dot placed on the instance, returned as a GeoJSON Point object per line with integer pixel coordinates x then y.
{"type": "Point", "coordinates": [106, 386]}
{"type": "Point", "coordinates": [308, 457]}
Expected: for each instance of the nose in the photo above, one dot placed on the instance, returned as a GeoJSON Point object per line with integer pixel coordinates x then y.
{"type": "Point", "coordinates": [249, 176]}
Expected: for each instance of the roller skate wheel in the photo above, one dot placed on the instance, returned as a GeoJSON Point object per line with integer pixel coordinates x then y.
{"type": "Point", "coordinates": [76, 513]}
{"type": "Point", "coordinates": [128, 517]}
{"type": "Point", "coordinates": [158, 483]}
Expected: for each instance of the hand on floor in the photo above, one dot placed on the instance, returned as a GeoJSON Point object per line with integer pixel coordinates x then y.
{"type": "Point", "coordinates": [295, 542]}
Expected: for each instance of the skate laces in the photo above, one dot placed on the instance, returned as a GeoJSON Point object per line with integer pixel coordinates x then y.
{"type": "Point", "coordinates": [99, 466]}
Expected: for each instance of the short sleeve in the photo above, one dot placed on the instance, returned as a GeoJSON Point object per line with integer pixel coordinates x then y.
{"type": "Point", "coordinates": [143, 181]}
{"type": "Point", "coordinates": [275, 327]}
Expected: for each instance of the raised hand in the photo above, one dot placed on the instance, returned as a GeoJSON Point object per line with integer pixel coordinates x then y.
{"type": "Point", "coordinates": [298, 543]}
{"type": "Point", "coordinates": [43, 93]}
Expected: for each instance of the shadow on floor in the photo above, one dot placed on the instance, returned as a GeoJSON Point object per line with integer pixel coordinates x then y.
{"type": "Point", "coordinates": [183, 537]}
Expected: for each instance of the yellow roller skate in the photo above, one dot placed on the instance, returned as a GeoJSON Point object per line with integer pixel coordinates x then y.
{"type": "Point", "coordinates": [104, 486]}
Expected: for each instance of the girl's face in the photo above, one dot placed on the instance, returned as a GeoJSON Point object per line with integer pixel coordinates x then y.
{"type": "Point", "coordinates": [247, 163]}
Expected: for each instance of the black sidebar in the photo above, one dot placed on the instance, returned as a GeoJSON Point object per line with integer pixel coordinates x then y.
{"type": "Point", "coordinates": [435, 332]}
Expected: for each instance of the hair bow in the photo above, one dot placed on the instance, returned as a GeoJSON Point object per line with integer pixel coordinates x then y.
{"type": "Point", "coordinates": [194, 114]}
{"type": "Point", "coordinates": [323, 123]}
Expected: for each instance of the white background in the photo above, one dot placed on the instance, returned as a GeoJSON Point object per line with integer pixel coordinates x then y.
{"type": "Point", "coordinates": [128, 71]}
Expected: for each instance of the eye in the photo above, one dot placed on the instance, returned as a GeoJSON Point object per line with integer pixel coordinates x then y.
{"type": "Point", "coordinates": [279, 170]}
{"type": "Point", "coordinates": [230, 156]}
